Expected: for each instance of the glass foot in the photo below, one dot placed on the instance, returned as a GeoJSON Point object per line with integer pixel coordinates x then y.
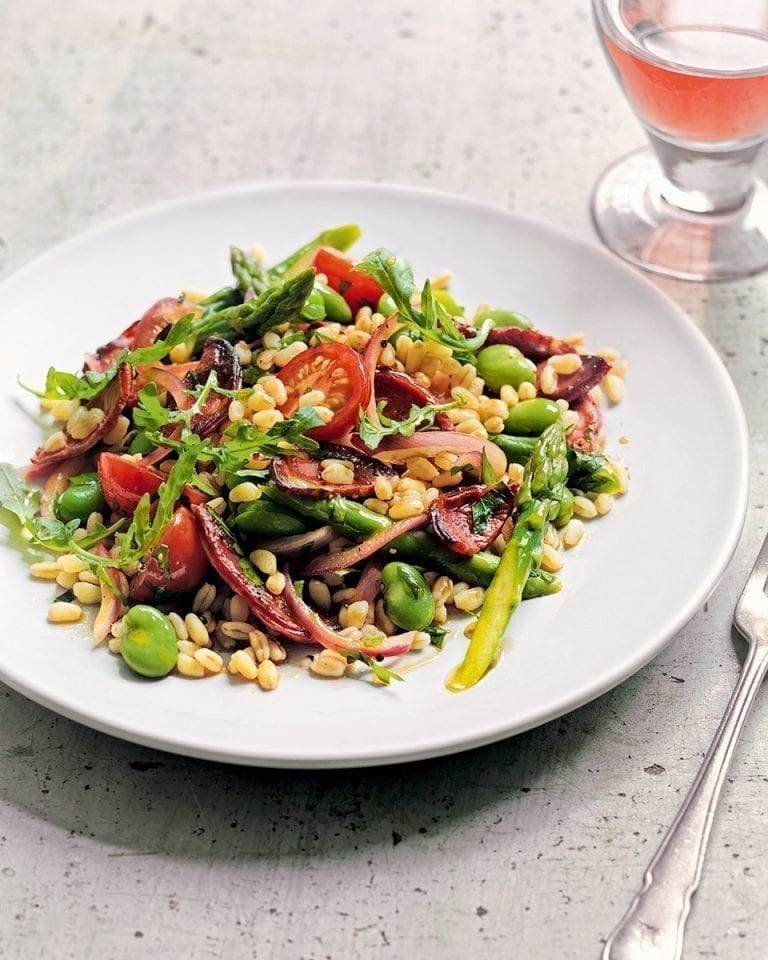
{"type": "Point", "coordinates": [634, 220]}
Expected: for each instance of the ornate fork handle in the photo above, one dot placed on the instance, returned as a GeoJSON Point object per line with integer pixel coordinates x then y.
{"type": "Point", "coordinates": [652, 928]}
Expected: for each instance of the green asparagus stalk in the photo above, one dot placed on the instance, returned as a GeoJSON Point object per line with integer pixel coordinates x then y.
{"type": "Point", "coordinates": [540, 496]}
{"type": "Point", "coordinates": [219, 299]}
{"type": "Point", "coordinates": [248, 274]}
{"type": "Point", "coordinates": [274, 306]}
{"type": "Point", "coordinates": [357, 522]}
{"type": "Point", "coordinates": [341, 238]}
{"type": "Point", "coordinates": [590, 472]}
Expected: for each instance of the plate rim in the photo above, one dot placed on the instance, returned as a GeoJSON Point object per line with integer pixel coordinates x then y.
{"type": "Point", "coordinates": [377, 756]}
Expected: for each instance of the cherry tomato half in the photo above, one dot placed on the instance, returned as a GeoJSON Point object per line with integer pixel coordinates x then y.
{"type": "Point", "coordinates": [336, 370]}
{"type": "Point", "coordinates": [186, 563]}
{"type": "Point", "coordinates": [124, 482]}
{"type": "Point", "coordinates": [158, 317]}
{"type": "Point", "coordinates": [358, 289]}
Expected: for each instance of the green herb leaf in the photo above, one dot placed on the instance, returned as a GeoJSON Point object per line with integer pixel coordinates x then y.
{"type": "Point", "coordinates": [242, 440]}
{"type": "Point", "coordinates": [149, 413]}
{"type": "Point", "coordinates": [484, 509]}
{"type": "Point", "coordinates": [52, 533]}
{"type": "Point", "coordinates": [437, 635]}
{"type": "Point", "coordinates": [394, 276]}
{"type": "Point", "coordinates": [382, 674]}
{"type": "Point", "coordinates": [487, 473]}
{"type": "Point", "coordinates": [61, 385]}
{"type": "Point", "coordinates": [179, 333]}
{"type": "Point", "coordinates": [15, 496]}
{"type": "Point", "coordinates": [372, 433]}
{"type": "Point", "coordinates": [145, 530]}
{"type": "Point", "coordinates": [432, 321]}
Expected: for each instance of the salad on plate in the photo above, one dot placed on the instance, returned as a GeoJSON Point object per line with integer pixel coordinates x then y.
{"type": "Point", "coordinates": [321, 457]}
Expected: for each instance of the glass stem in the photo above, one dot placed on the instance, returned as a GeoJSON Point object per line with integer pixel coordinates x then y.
{"type": "Point", "coordinates": [705, 181]}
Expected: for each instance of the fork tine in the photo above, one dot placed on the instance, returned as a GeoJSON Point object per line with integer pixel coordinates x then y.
{"type": "Point", "coordinates": [753, 601]}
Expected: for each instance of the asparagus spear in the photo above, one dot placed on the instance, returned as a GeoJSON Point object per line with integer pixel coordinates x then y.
{"type": "Point", "coordinates": [355, 521]}
{"type": "Point", "coordinates": [592, 472]}
{"type": "Point", "coordinates": [540, 496]}
{"type": "Point", "coordinates": [248, 273]}
{"type": "Point", "coordinates": [274, 306]}
{"type": "Point", "coordinates": [341, 238]}
{"type": "Point", "coordinates": [219, 299]}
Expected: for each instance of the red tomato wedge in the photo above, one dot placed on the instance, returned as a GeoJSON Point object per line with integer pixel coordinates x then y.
{"type": "Point", "coordinates": [160, 315]}
{"type": "Point", "coordinates": [336, 370]}
{"type": "Point", "coordinates": [186, 565]}
{"type": "Point", "coordinates": [358, 289]}
{"type": "Point", "coordinates": [124, 482]}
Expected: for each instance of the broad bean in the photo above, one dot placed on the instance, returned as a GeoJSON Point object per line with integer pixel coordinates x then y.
{"type": "Point", "coordinates": [149, 643]}
{"type": "Point", "coordinates": [532, 417]}
{"type": "Point", "coordinates": [408, 601]}
{"type": "Point", "coordinates": [82, 497]}
{"type": "Point", "coordinates": [502, 364]}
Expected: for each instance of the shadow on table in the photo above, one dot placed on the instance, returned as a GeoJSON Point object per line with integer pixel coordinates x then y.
{"type": "Point", "coordinates": [137, 799]}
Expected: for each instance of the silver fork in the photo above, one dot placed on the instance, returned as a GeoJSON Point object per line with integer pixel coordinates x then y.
{"type": "Point", "coordinates": [652, 928]}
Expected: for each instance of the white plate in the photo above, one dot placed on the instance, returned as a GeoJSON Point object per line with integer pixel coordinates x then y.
{"type": "Point", "coordinates": [641, 573]}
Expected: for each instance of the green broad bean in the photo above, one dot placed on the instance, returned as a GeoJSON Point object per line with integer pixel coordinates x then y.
{"type": "Point", "coordinates": [408, 600]}
{"type": "Point", "coordinates": [337, 310]}
{"type": "Point", "coordinates": [82, 497]}
{"type": "Point", "coordinates": [532, 417]}
{"type": "Point", "coordinates": [502, 364]}
{"type": "Point", "coordinates": [314, 308]}
{"type": "Point", "coordinates": [504, 318]}
{"type": "Point", "coordinates": [149, 642]}
{"type": "Point", "coordinates": [386, 305]}
{"type": "Point", "coordinates": [262, 518]}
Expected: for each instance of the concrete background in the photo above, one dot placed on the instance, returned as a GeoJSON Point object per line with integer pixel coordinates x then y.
{"type": "Point", "coordinates": [529, 848]}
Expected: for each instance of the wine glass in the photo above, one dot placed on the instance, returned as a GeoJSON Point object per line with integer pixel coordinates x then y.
{"type": "Point", "coordinates": [696, 74]}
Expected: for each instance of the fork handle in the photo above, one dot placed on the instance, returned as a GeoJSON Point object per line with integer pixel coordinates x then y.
{"type": "Point", "coordinates": [652, 928]}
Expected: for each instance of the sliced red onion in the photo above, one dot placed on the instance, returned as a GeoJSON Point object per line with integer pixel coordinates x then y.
{"type": "Point", "coordinates": [321, 633]}
{"type": "Point", "coordinates": [371, 358]}
{"type": "Point", "coordinates": [300, 543]}
{"type": "Point", "coordinates": [169, 382]}
{"type": "Point", "coordinates": [369, 584]}
{"type": "Point", "coordinates": [111, 606]}
{"type": "Point", "coordinates": [429, 443]}
{"type": "Point", "coordinates": [352, 556]}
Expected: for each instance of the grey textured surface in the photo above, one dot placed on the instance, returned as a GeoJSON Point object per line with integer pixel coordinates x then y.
{"type": "Point", "coordinates": [530, 848]}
